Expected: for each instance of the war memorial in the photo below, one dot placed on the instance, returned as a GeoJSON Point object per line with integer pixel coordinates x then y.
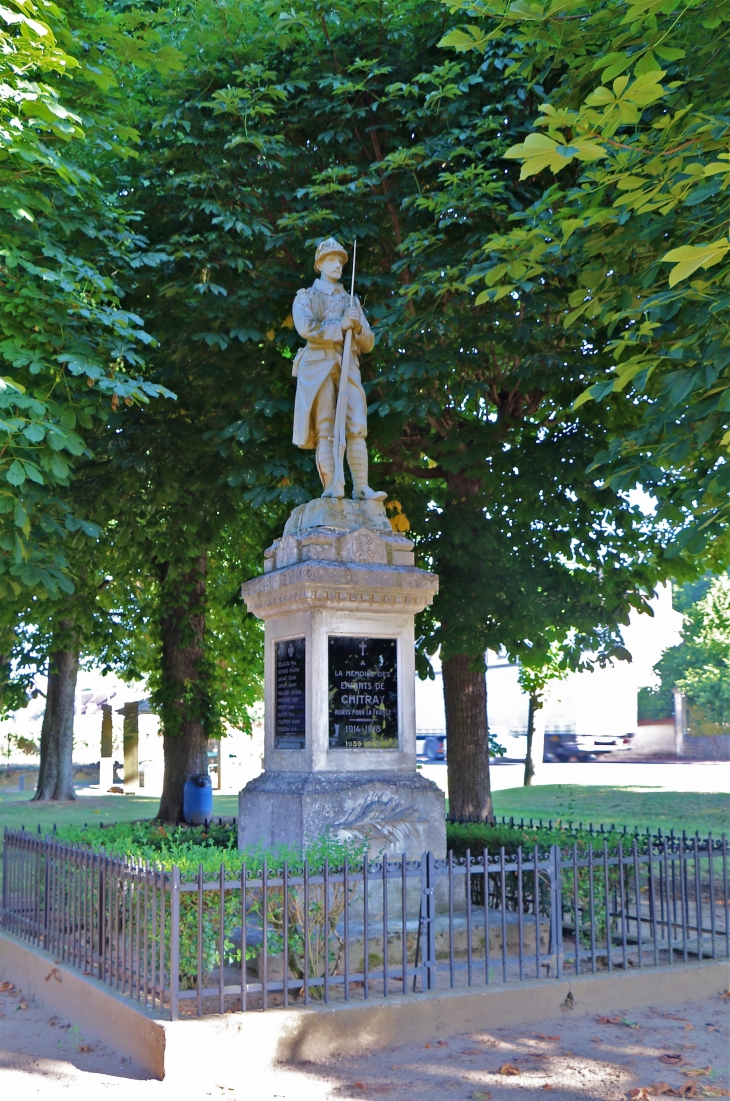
{"type": "Point", "coordinates": [338, 596]}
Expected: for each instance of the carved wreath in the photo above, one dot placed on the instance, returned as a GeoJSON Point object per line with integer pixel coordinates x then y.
{"type": "Point", "coordinates": [380, 816]}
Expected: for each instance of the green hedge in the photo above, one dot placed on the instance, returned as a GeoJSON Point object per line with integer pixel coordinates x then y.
{"type": "Point", "coordinates": [215, 844]}
{"type": "Point", "coordinates": [190, 846]}
{"type": "Point", "coordinates": [477, 836]}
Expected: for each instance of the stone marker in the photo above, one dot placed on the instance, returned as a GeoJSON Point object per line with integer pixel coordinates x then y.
{"type": "Point", "coordinates": [338, 600]}
{"type": "Point", "coordinates": [130, 741]}
{"type": "Point", "coordinates": [106, 761]}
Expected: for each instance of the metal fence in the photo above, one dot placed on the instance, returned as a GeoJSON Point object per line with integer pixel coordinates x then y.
{"type": "Point", "coordinates": [278, 936]}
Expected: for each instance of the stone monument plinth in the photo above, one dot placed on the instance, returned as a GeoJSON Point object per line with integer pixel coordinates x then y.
{"type": "Point", "coordinates": [338, 595]}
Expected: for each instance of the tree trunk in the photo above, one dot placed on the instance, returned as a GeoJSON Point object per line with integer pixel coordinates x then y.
{"type": "Point", "coordinates": [467, 741]}
{"type": "Point", "coordinates": [529, 763]}
{"type": "Point", "coordinates": [183, 693]}
{"type": "Point", "coordinates": [55, 778]}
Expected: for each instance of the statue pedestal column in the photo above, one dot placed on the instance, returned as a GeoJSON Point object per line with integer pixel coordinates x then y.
{"type": "Point", "coordinates": [338, 596]}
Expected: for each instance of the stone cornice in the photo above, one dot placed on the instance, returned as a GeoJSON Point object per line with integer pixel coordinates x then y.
{"type": "Point", "coordinates": [321, 584]}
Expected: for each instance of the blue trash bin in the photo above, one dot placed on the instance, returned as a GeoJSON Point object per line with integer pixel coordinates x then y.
{"type": "Point", "coordinates": [197, 800]}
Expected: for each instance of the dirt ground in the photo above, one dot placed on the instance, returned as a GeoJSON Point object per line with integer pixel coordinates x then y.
{"type": "Point", "coordinates": [677, 1051]}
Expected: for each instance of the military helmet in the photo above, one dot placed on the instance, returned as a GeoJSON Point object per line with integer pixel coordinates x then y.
{"type": "Point", "coordinates": [326, 248]}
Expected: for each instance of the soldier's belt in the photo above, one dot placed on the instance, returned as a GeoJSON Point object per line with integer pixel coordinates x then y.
{"type": "Point", "coordinates": [325, 346]}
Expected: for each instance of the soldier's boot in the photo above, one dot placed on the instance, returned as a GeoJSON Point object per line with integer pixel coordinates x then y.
{"type": "Point", "coordinates": [326, 467]}
{"type": "Point", "coordinates": [357, 460]}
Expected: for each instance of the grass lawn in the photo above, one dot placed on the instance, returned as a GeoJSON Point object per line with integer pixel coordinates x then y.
{"type": "Point", "coordinates": [17, 810]}
{"type": "Point", "coordinates": [618, 806]}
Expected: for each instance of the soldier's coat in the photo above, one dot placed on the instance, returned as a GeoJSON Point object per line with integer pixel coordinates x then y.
{"type": "Point", "coordinates": [317, 313]}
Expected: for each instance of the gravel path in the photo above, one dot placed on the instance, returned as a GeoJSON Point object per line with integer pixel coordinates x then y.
{"type": "Point", "coordinates": [680, 1051]}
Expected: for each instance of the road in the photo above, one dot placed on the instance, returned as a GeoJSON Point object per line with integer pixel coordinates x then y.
{"type": "Point", "coordinates": [706, 776]}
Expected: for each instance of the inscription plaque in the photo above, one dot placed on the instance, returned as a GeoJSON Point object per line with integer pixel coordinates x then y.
{"type": "Point", "coordinates": [363, 692]}
{"type": "Point", "coordinates": [291, 667]}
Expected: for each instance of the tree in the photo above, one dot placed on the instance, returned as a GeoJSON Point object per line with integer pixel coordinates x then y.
{"type": "Point", "coordinates": [534, 680]}
{"type": "Point", "coordinates": [700, 665]}
{"type": "Point", "coordinates": [632, 136]}
{"type": "Point", "coordinates": [55, 776]}
{"type": "Point", "coordinates": [73, 351]}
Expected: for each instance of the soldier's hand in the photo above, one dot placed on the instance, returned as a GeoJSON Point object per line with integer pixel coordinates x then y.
{"type": "Point", "coordinates": [351, 320]}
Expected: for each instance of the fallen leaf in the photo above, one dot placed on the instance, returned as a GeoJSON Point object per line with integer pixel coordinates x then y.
{"type": "Point", "coordinates": [508, 1069]}
{"type": "Point", "coordinates": [698, 1072]}
{"type": "Point", "coordinates": [672, 1059]}
{"type": "Point", "coordinates": [6, 987]}
{"type": "Point", "coordinates": [359, 1086]}
{"type": "Point", "coordinates": [481, 1095]}
{"type": "Point", "coordinates": [609, 1020]}
{"type": "Point", "coordinates": [629, 1024]}
{"type": "Point", "coordinates": [542, 1036]}
{"type": "Point", "coordinates": [688, 1027]}
{"type": "Point", "coordinates": [441, 1043]}
{"type": "Point", "coordinates": [725, 994]}
{"type": "Point", "coordinates": [711, 1091]}
{"type": "Point", "coordinates": [22, 1004]}
{"type": "Point", "coordinates": [642, 1093]}
{"type": "Point", "coordinates": [713, 1028]}
{"type": "Point", "coordinates": [663, 1088]}
{"type": "Point", "coordinates": [54, 975]}
{"type": "Point", "coordinates": [85, 1047]}
{"type": "Point", "coordinates": [426, 1045]}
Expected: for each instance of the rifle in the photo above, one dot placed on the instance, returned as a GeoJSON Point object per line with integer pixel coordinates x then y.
{"type": "Point", "coordinates": [340, 440]}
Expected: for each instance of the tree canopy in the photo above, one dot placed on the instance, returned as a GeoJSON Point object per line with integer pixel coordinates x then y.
{"type": "Point", "coordinates": [630, 227]}
{"type": "Point", "coordinates": [70, 349]}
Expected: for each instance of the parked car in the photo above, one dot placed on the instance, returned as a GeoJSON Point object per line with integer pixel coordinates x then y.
{"type": "Point", "coordinates": [431, 746]}
{"type": "Point", "coordinates": [582, 747]}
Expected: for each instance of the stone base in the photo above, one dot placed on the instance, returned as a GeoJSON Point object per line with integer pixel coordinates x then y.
{"type": "Point", "coordinates": [337, 514]}
{"type": "Point", "coordinates": [394, 812]}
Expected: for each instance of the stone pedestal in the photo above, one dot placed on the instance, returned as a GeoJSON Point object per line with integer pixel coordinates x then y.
{"type": "Point", "coordinates": [130, 742]}
{"type": "Point", "coordinates": [338, 596]}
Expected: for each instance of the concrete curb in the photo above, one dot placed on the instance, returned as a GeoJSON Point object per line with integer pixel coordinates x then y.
{"type": "Point", "coordinates": [99, 1012]}
{"type": "Point", "coordinates": [172, 1049]}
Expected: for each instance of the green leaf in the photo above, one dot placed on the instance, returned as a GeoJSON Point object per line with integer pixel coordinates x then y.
{"type": "Point", "coordinates": [15, 473]}
{"type": "Point", "coordinates": [688, 258]}
{"type": "Point", "coordinates": [21, 518]}
{"type": "Point", "coordinates": [59, 466]}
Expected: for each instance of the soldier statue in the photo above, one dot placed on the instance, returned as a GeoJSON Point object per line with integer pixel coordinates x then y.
{"type": "Point", "coordinates": [323, 315]}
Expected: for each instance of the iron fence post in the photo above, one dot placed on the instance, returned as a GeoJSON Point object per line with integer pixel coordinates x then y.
{"type": "Point", "coordinates": [556, 909]}
{"type": "Point", "coordinates": [5, 875]}
{"type": "Point", "coordinates": [427, 923]}
{"type": "Point", "coordinates": [101, 922]}
{"type": "Point", "coordinates": [46, 889]}
{"type": "Point", "coordinates": [174, 942]}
